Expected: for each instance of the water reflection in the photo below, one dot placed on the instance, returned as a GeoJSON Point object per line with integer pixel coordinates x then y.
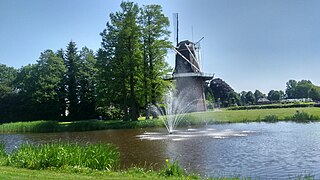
{"type": "Point", "coordinates": [258, 150]}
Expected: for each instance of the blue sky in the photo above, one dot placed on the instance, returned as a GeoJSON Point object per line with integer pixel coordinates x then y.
{"type": "Point", "coordinates": [251, 44]}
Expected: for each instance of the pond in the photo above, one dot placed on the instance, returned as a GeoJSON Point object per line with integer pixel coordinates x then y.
{"type": "Point", "coordinates": [257, 150]}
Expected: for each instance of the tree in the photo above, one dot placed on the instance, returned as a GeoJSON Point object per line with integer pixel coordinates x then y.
{"type": "Point", "coordinates": [71, 61]}
{"type": "Point", "coordinates": [250, 97]}
{"type": "Point", "coordinates": [131, 60]}
{"type": "Point", "coordinates": [7, 92]}
{"type": "Point", "coordinates": [234, 99]}
{"type": "Point", "coordinates": [258, 94]}
{"type": "Point", "coordinates": [221, 90]}
{"type": "Point", "coordinates": [86, 83]}
{"type": "Point", "coordinates": [315, 93]}
{"type": "Point", "coordinates": [300, 89]}
{"type": "Point", "coordinates": [155, 42]}
{"type": "Point", "coordinates": [274, 95]}
{"type": "Point", "coordinates": [122, 54]}
{"type": "Point", "coordinates": [49, 73]}
{"type": "Point", "coordinates": [303, 89]}
{"type": "Point", "coordinates": [243, 98]}
{"type": "Point", "coordinates": [291, 88]}
{"type": "Point", "coordinates": [38, 87]}
{"type": "Point", "coordinates": [7, 76]}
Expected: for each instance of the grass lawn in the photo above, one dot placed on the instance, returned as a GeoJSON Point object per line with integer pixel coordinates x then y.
{"type": "Point", "coordinates": [234, 116]}
{"type": "Point", "coordinates": [20, 173]}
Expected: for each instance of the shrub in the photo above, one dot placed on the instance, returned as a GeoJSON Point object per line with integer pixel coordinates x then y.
{"type": "Point", "coordinates": [302, 116]}
{"type": "Point", "coordinates": [270, 118]}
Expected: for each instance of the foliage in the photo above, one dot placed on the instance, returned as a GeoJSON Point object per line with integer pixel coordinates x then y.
{"type": "Point", "coordinates": [250, 98]}
{"type": "Point", "coordinates": [131, 60]}
{"type": "Point", "coordinates": [271, 118]}
{"type": "Point", "coordinates": [34, 126]}
{"type": "Point", "coordinates": [38, 89]}
{"type": "Point", "coordinates": [3, 154]}
{"type": "Point", "coordinates": [275, 96]}
{"type": "Point", "coordinates": [155, 35]}
{"type": "Point", "coordinates": [302, 89]}
{"type": "Point", "coordinates": [258, 94]}
{"type": "Point", "coordinates": [60, 155]}
{"type": "Point", "coordinates": [119, 59]}
{"type": "Point", "coordinates": [7, 76]}
{"type": "Point", "coordinates": [302, 116]}
{"type": "Point", "coordinates": [222, 92]}
{"type": "Point", "coordinates": [172, 169]}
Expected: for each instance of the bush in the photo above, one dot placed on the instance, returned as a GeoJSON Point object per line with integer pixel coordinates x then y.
{"type": "Point", "coordinates": [270, 118]}
{"type": "Point", "coordinates": [302, 116]}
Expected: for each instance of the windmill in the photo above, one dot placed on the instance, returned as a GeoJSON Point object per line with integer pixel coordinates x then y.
{"type": "Point", "coordinates": [189, 78]}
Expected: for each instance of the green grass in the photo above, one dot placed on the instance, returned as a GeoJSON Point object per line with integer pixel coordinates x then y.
{"type": "Point", "coordinates": [234, 116]}
{"type": "Point", "coordinates": [71, 161]}
{"type": "Point", "coordinates": [198, 118]}
{"type": "Point", "coordinates": [62, 155]}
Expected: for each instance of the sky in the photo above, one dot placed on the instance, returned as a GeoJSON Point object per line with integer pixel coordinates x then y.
{"type": "Point", "coordinates": [250, 44]}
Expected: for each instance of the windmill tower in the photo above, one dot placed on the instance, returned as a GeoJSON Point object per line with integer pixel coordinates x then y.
{"type": "Point", "coordinates": [190, 80]}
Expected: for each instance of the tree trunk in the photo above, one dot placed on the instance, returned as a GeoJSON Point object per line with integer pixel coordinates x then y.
{"type": "Point", "coordinates": [133, 110]}
{"type": "Point", "coordinates": [124, 93]}
{"type": "Point", "coordinates": [153, 85]}
{"type": "Point", "coordinates": [145, 81]}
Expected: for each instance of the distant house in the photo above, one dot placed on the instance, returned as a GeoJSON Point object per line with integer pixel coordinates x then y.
{"type": "Point", "coordinates": [296, 100]}
{"type": "Point", "coordinates": [263, 101]}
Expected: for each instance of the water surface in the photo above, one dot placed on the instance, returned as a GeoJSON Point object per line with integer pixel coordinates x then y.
{"type": "Point", "coordinates": [257, 150]}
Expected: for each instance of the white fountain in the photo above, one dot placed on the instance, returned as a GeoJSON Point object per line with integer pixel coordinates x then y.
{"type": "Point", "coordinates": [176, 107]}
{"type": "Point", "coordinates": [174, 111]}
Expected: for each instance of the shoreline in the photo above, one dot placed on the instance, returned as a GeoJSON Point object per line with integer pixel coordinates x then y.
{"type": "Point", "coordinates": [305, 114]}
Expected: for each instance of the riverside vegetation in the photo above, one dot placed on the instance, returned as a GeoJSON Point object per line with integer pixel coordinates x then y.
{"type": "Point", "coordinates": [63, 161]}
{"type": "Point", "coordinates": [304, 114]}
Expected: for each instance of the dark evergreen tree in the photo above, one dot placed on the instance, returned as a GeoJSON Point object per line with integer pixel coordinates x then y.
{"type": "Point", "coordinates": [71, 61]}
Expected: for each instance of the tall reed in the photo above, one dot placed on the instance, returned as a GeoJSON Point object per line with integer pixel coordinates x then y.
{"type": "Point", "coordinates": [59, 155]}
{"type": "Point", "coordinates": [3, 154]}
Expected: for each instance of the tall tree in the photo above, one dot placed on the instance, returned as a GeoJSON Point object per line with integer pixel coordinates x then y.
{"type": "Point", "coordinates": [121, 44]}
{"type": "Point", "coordinates": [7, 77]}
{"type": "Point", "coordinates": [155, 40]}
{"type": "Point", "coordinates": [71, 61]}
{"type": "Point", "coordinates": [291, 89]}
{"type": "Point", "coordinates": [50, 71]}
{"type": "Point", "coordinates": [7, 92]}
{"type": "Point", "coordinates": [86, 83]}
{"type": "Point", "coordinates": [38, 88]}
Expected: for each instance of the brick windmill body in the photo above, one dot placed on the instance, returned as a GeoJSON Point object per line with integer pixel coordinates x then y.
{"type": "Point", "coordinates": [189, 79]}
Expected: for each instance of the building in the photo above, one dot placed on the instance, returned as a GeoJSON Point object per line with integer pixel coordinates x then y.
{"type": "Point", "coordinates": [189, 79]}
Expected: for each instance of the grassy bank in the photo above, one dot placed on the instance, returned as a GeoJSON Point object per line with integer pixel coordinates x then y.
{"type": "Point", "coordinates": [12, 167]}
{"type": "Point", "coordinates": [65, 161]}
{"type": "Point", "coordinates": [305, 114]}
{"type": "Point", "coordinates": [257, 115]}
